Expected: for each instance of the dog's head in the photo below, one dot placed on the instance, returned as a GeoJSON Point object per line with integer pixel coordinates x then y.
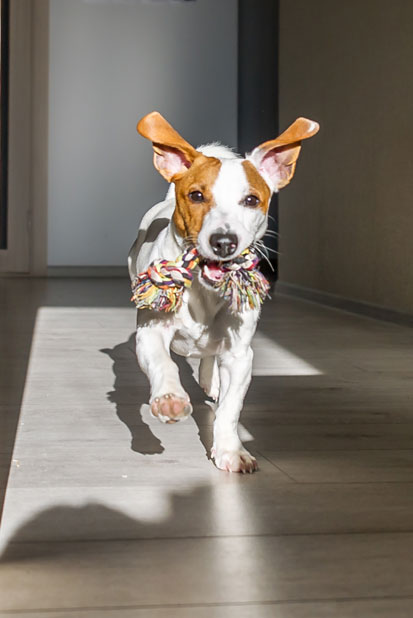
{"type": "Point", "coordinates": [222, 203]}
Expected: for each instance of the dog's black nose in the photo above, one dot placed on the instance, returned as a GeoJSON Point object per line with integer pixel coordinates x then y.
{"type": "Point", "coordinates": [223, 245]}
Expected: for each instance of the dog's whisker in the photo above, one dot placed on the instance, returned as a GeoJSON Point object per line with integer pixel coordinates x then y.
{"type": "Point", "coordinates": [268, 248]}
{"type": "Point", "coordinates": [266, 258]}
{"type": "Point", "coordinates": [260, 243]}
{"type": "Point", "coordinates": [273, 251]}
{"type": "Point", "coordinates": [263, 244]}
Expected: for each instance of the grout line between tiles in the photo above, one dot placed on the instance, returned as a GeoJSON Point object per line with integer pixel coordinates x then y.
{"type": "Point", "coordinates": [275, 466]}
{"type": "Point", "coordinates": [339, 450]}
{"type": "Point", "coordinates": [95, 541]}
{"type": "Point", "coordinates": [263, 603]}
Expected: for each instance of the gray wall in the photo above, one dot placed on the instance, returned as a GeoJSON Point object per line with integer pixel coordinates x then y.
{"type": "Point", "coordinates": [111, 62]}
{"type": "Point", "coordinates": [346, 220]}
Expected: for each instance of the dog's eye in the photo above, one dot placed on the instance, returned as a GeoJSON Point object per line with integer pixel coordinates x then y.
{"type": "Point", "coordinates": [251, 200]}
{"type": "Point", "coordinates": [196, 196]}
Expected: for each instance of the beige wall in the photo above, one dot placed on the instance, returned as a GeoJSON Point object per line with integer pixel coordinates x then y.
{"type": "Point", "coordinates": [346, 220]}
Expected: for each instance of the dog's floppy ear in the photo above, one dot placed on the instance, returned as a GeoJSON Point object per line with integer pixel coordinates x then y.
{"type": "Point", "coordinates": [172, 154]}
{"type": "Point", "coordinates": [277, 158]}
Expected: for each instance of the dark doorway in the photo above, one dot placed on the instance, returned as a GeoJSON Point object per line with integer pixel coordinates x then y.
{"type": "Point", "coordinates": [258, 35]}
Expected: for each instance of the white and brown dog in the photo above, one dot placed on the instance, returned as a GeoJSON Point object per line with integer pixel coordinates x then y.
{"type": "Point", "coordinates": [218, 202]}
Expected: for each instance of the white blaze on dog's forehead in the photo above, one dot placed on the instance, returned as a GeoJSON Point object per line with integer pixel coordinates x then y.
{"type": "Point", "coordinates": [228, 211]}
{"type": "Point", "coordinates": [231, 184]}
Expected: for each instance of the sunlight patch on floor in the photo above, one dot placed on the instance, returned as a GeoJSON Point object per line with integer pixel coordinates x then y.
{"type": "Point", "coordinates": [271, 359]}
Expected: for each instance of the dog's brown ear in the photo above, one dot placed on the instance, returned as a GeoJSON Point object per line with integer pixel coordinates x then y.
{"type": "Point", "coordinates": [172, 154]}
{"type": "Point", "coordinates": [277, 158]}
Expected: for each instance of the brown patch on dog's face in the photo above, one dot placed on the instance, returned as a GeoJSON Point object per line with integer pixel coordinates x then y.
{"type": "Point", "coordinates": [189, 214]}
{"type": "Point", "coordinates": [258, 186]}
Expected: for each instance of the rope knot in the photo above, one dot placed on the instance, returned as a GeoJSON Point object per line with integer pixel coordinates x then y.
{"type": "Point", "coordinates": [166, 274]}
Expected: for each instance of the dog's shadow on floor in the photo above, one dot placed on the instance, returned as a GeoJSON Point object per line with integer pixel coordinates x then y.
{"type": "Point", "coordinates": [131, 390]}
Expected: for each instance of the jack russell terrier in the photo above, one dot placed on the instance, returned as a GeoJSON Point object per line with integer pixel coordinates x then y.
{"type": "Point", "coordinates": [217, 205]}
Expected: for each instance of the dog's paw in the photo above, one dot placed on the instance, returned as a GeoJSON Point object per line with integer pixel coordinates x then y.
{"type": "Point", "coordinates": [235, 461]}
{"type": "Point", "coordinates": [171, 408]}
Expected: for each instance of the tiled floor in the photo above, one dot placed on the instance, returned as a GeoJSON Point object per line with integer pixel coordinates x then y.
{"type": "Point", "coordinates": [109, 514]}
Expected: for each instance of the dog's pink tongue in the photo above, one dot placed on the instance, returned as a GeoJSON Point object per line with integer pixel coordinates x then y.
{"type": "Point", "coordinates": [213, 271]}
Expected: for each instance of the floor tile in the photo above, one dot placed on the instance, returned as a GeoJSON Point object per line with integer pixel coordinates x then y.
{"type": "Point", "coordinates": [395, 608]}
{"type": "Point", "coordinates": [195, 571]}
{"type": "Point", "coordinates": [348, 437]}
{"type": "Point", "coordinates": [193, 507]}
{"type": "Point", "coordinates": [345, 466]}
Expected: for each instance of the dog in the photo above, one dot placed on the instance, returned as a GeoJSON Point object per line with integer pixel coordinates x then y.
{"type": "Point", "coordinates": [217, 202]}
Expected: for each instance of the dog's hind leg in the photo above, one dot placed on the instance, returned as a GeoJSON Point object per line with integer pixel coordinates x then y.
{"type": "Point", "coordinates": [169, 402]}
{"type": "Point", "coordinates": [209, 376]}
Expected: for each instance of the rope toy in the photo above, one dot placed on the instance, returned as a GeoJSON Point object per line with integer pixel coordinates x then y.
{"type": "Point", "coordinates": [239, 282]}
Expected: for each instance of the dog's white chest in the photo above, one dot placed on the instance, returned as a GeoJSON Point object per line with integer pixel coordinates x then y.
{"type": "Point", "coordinates": [201, 323]}
{"type": "Point", "coordinates": [196, 342]}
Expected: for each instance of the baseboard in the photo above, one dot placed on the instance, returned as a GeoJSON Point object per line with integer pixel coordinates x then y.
{"type": "Point", "coordinates": [87, 271]}
{"type": "Point", "coordinates": [345, 304]}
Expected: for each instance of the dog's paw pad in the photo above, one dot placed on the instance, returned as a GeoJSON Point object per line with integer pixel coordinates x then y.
{"type": "Point", "coordinates": [171, 408]}
{"type": "Point", "coordinates": [235, 461]}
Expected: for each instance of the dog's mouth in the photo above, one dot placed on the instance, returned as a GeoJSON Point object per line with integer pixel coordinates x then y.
{"type": "Point", "coordinates": [213, 271]}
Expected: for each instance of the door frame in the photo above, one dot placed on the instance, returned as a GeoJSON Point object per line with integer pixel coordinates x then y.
{"type": "Point", "coordinates": [26, 251]}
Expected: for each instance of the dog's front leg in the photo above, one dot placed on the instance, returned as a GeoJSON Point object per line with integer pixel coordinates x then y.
{"type": "Point", "coordinates": [235, 375]}
{"type": "Point", "coordinates": [169, 402]}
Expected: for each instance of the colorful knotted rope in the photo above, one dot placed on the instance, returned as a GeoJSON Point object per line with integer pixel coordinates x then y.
{"type": "Point", "coordinates": [240, 283]}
